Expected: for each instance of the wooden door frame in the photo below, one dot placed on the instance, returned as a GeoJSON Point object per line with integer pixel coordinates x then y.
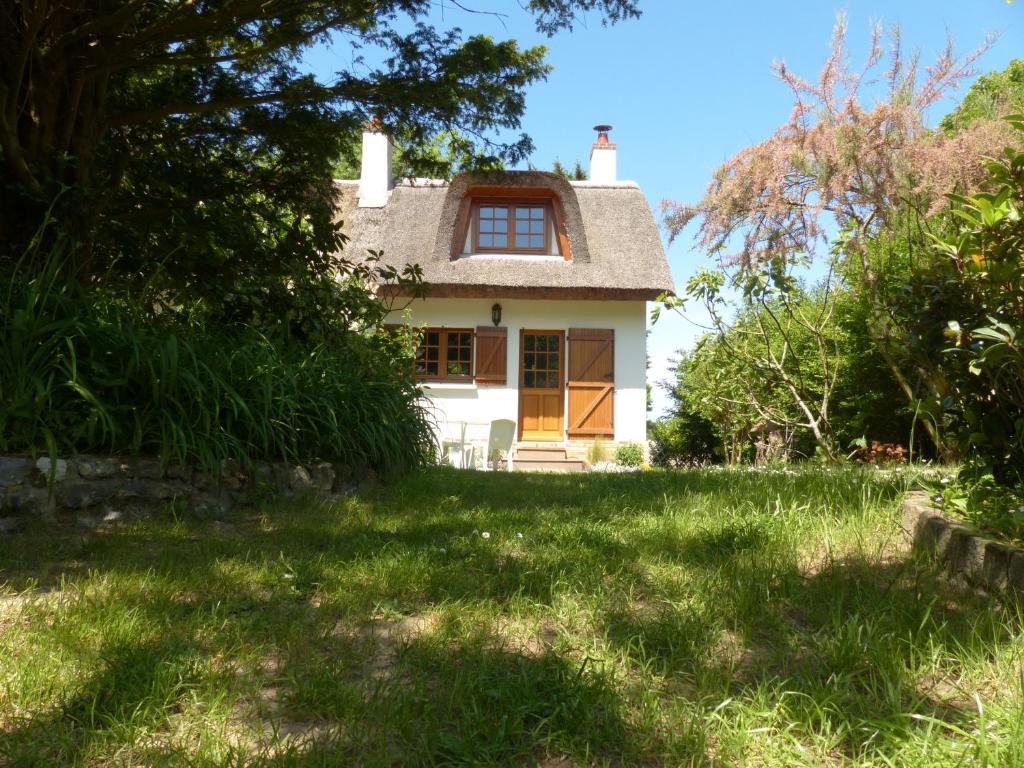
{"type": "Point", "coordinates": [561, 378]}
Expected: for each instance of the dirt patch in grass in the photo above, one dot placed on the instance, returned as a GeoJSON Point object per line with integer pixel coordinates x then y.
{"type": "Point", "coordinates": [384, 638]}
{"type": "Point", "coordinates": [531, 639]}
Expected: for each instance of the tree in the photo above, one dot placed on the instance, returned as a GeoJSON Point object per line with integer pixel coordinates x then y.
{"type": "Point", "coordinates": [187, 135]}
{"type": "Point", "coordinates": [684, 436]}
{"type": "Point", "coordinates": [781, 344]}
{"type": "Point", "coordinates": [708, 390]}
{"type": "Point", "coordinates": [990, 97]}
{"type": "Point", "coordinates": [575, 174]}
{"type": "Point", "coordinates": [840, 165]}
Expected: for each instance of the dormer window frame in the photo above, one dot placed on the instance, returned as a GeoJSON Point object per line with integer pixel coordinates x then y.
{"type": "Point", "coordinates": [511, 221]}
{"type": "Point", "coordinates": [467, 228]}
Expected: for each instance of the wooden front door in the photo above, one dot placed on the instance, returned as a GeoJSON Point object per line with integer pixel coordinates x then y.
{"type": "Point", "coordinates": [591, 383]}
{"type": "Point", "coordinates": [541, 385]}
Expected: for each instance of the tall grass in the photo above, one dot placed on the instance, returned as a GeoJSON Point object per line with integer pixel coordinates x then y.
{"type": "Point", "coordinates": [96, 369]}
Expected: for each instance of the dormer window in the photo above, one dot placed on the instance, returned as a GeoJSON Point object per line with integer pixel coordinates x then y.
{"type": "Point", "coordinates": [506, 221]}
{"type": "Point", "coordinates": [512, 228]}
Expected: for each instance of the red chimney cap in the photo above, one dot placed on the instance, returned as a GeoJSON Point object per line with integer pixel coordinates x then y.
{"type": "Point", "coordinates": [602, 133]}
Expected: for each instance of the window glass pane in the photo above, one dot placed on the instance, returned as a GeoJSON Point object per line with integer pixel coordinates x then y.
{"type": "Point", "coordinates": [432, 353]}
{"type": "Point", "coordinates": [529, 361]}
{"type": "Point", "coordinates": [536, 241]}
{"type": "Point", "coordinates": [486, 241]}
{"type": "Point", "coordinates": [530, 341]}
{"type": "Point", "coordinates": [486, 213]}
{"type": "Point", "coordinates": [500, 225]}
{"type": "Point", "coordinates": [522, 226]}
{"type": "Point", "coordinates": [522, 213]}
{"type": "Point", "coordinates": [486, 225]}
{"type": "Point", "coordinates": [537, 226]}
{"type": "Point", "coordinates": [501, 213]}
{"type": "Point", "coordinates": [554, 343]}
{"type": "Point", "coordinates": [537, 213]}
{"type": "Point", "coordinates": [459, 353]}
{"type": "Point", "coordinates": [542, 343]}
{"type": "Point", "coordinates": [528, 379]}
{"type": "Point", "coordinates": [501, 241]}
{"type": "Point", "coordinates": [433, 338]}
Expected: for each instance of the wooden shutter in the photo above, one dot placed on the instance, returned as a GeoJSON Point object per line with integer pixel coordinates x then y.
{"type": "Point", "coordinates": [591, 382]}
{"type": "Point", "coordinates": [491, 355]}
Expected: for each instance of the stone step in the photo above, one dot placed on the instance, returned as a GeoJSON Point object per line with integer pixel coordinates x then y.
{"type": "Point", "coordinates": [538, 453]}
{"type": "Point", "coordinates": [559, 465]}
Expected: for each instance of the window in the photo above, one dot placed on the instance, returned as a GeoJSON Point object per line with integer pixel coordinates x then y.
{"type": "Point", "coordinates": [512, 227]}
{"type": "Point", "coordinates": [492, 227]}
{"type": "Point", "coordinates": [497, 221]}
{"type": "Point", "coordinates": [445, 353]}
{"type": "Point", "coordinates": [542, 367]}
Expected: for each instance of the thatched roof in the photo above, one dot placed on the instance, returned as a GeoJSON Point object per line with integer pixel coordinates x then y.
{"type": "Point", "coordinates": [615, 245]}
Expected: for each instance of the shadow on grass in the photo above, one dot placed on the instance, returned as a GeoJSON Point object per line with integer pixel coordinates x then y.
{"type": "Point", "coordinates": [861, 652]}
{"type": "Point", "coordinates": [138, 686]}
{"type": "Point", "coordinates": [471, 703]}
{"type": "Point", "coordinates": [837, 648]}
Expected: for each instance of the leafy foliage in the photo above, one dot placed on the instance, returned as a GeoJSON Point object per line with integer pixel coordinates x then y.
{"type": "Point", "coordinates": [710, 420]}
{"type": "Point", "coordinates": [781, 345]}
{"type": "Point", "coordinates": [171, 259]}
{"type": "Point", "coordinates": [685, 437]}
{"type": "Point", "coordinates": [629, 455]}
{"type": "Point", "coordinates": [990, 97]}
{"type": "Point", "coordinates": [189, 135]}
{"type": "Point", "coordinates": [96, 369]}
{"type": "Point", "coordinates": [576, 173]}
{"type": "Point", "coordinates": [980, 285]}
{"type": "Point", "coordinates": [855, 154]}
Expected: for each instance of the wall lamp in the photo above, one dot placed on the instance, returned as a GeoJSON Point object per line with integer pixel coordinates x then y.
{"type": "Point", "coordinates": [496, 314]}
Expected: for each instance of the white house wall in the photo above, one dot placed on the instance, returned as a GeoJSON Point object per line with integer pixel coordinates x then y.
{"type": "Point", "coordinates": [464, 411]}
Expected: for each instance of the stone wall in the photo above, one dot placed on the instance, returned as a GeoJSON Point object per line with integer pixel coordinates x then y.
{"type": "Point", "coordinates": [92, 489]}
{"type": "Point", "coordinates": [985, 563]}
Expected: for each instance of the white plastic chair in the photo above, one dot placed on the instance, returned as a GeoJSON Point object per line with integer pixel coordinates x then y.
{"type": "Point", "coordinates": [500, 438]}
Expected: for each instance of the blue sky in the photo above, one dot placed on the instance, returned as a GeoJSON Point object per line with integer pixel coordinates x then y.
{"type": "Point", "coordinates": [690, 83]}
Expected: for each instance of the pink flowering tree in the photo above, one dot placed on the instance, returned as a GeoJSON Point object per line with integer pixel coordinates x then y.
{"type": "Point", "coordinates": [854, 157]}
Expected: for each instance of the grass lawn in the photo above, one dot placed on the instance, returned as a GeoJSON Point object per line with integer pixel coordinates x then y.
{"type": "Point", "coordinates": [685, 618]}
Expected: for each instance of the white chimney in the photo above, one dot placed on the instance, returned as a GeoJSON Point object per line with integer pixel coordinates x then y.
{"type": "Point", "coordinates": [602, 157]}
{"type": "Point", "coordinates": [375, 180]}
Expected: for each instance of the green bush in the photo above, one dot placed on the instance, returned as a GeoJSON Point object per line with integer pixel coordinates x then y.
{"type": "Point", "coordinates": [971, 319]}
{"type": "Point", "coordinates": [94, 369]}
{"type": "Point", "coordinates": [629, 455]}
{"type": "Point", "coordinates": [684, 439]}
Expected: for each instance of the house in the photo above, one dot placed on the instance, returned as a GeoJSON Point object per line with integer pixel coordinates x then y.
{"type": "Point", "coordinates": [536, 312]}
